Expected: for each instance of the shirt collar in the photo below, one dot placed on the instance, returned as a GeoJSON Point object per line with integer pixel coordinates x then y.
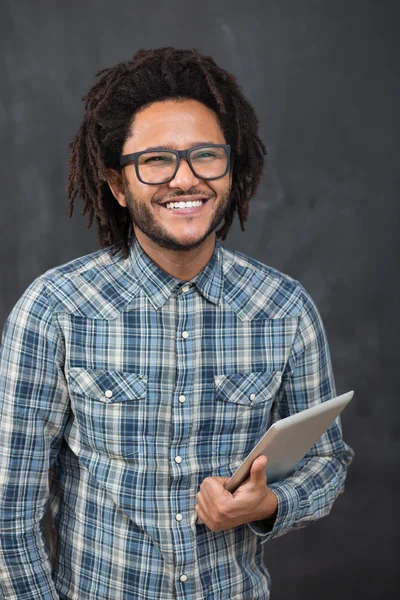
{"type": "Point", "coordinates": [159, 285]}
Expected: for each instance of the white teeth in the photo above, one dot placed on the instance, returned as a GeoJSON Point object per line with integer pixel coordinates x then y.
{"type": "Point", "coordinates": [189, 204]}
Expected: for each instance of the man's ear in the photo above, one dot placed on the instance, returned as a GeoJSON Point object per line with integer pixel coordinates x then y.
{"type": "Point", "coordinates": [230, 175]}
{"type": "Point", "coordinates": [116, 183]}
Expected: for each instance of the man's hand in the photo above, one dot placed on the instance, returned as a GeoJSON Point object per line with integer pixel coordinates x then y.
{"type": "Point", "coordinates": [252, 501]}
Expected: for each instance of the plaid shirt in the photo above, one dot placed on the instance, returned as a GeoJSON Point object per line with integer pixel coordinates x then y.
{"type": "Point", "coordinates": [136, 386]}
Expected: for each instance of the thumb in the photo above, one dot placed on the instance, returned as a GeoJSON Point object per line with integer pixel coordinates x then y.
{"type": "Point", "coordinates": [257, 471]}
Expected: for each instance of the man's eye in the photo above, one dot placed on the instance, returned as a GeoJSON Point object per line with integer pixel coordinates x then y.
{"type": "Point", "coordinates": [156, 159]}
{"type": "Point", "coordinates": [204, 155]}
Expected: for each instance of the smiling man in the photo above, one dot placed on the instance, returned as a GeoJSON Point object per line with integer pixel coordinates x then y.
{"type": "Point", "coordinates": [175, 206]}
{"type": "Point", "coordinates": [141, 375]}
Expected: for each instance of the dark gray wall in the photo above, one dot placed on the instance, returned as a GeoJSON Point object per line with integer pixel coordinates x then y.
{"type": "Point", "coordinates": [323, 77]}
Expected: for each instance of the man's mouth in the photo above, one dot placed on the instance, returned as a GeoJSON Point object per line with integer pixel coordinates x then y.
{"type": "Point", "coordinates": [180, 206]}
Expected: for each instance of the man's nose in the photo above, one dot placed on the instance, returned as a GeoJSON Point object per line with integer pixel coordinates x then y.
{"type": "Point", "coordinates": [184, 177]}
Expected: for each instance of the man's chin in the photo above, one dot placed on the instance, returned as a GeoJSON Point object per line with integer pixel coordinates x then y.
{"type": "Point", "coordinates": [183, 240]}
{"type": "Point", "coordinates": [178, 245]}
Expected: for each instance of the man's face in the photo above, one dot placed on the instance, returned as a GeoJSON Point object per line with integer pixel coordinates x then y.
{"type": "Point", "coordinates": [178, 125]}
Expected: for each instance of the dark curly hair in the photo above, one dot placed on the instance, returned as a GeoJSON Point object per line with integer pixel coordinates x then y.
{"type": "Point", "coordinates": [111, 103]}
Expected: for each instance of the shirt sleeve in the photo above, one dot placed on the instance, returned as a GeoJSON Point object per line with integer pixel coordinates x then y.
{"type": "Point", "coordinates": [309, 493]}
{"type": "Point", "coordinates": [34, 407]}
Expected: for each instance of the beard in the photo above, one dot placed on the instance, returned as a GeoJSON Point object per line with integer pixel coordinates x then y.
{"type": "Point", "coordinates": [143, 218]}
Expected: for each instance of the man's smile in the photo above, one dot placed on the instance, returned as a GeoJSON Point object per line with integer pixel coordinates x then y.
{"type": "Point", "coordinates": [185, 205]}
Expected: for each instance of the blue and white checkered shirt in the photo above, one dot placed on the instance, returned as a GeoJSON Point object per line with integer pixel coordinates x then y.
{"type": "Point", "coordinates": [136, 386]}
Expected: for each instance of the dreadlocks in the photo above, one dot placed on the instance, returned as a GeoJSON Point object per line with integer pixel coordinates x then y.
{"type": "Point", "coordinates": [111, 103]}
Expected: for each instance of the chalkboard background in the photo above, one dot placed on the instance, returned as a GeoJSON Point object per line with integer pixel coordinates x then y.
{"type": "Point", "coordinates": [323, 77]}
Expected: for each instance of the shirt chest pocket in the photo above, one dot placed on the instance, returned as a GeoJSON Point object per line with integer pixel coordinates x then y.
{"type": "Point", "coordinates": [242, 404]}
{"type": "Point", "coordinates": [110, 409]}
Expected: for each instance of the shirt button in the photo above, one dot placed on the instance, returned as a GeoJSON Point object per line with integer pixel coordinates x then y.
{"type": "Point", "coordinates": [182, 398]}
{"type": "Point", "coordinates": [185, 335]}
{"type": "Point", "coordinates": [178, 517]}
{"type": "Point", "coordinates": [108, 394]}
{"type": "Point", "coordinates": [183, 578]}
{"type": "Point", "coordinates": [185, 288]}
{"type": "Point", "coordinates": [252, 397]}
{"type": "Point", "coordinates": [178, 459]}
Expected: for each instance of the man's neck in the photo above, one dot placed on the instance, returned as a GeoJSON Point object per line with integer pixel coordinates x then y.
{"type": "Point", "coordinates": [183, 265]}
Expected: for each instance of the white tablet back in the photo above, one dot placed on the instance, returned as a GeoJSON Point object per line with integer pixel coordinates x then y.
{"type": "Point", "coordinates": [287, 441]}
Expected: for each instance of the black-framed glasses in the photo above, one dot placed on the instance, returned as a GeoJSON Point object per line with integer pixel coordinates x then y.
{"type": "Point", "coordinates": [153, 167]}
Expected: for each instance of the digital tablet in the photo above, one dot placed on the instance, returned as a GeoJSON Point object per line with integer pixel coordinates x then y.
{"type": "Point", "coordinates": [287, 441]}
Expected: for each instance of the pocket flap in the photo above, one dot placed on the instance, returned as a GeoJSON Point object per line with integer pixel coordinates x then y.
{"type": "Point", "coordinates": [108, 386]}
{"type": "Point", "coordinates": [247, 388]}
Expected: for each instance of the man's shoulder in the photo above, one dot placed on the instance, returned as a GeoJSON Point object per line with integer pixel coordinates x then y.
{"type": "Point", "coordinates": [95, 259]}
{"type": "Point", "coordinates": [245, 262]}
{"type": "Point", "coordinates": [96, 285]}
{"type": "Point", "coordinates": [260, 290]}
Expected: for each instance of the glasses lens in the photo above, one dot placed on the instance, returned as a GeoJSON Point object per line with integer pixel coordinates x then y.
{"type": "Point", "coordinates": [156, 167]}
{"type": "Point", "coordinates": [209, 161]}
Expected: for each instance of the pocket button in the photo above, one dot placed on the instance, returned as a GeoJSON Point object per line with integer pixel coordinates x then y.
{"type": "Point", "coordinates": [108, 394]}
{"type": "Point", "coordinates": [252, 397]}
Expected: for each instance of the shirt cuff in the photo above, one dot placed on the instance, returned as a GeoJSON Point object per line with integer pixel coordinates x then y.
{"type": "Point", "coordinates": [288, 508]}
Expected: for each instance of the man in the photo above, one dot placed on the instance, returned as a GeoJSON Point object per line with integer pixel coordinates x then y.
{"type": "Point", "coordinates": [145, 372]}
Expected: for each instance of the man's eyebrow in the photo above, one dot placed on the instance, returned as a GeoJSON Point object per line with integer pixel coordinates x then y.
{"type": "Point", "coordinates": [169, 147]}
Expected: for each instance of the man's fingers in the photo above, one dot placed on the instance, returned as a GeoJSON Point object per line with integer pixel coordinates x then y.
{"type": "Point", "coordinates": [257, 471]}
{"type": "Point", "coordinates": [222, 480]}
{"type": "Point", "coordinates": [212, 486]}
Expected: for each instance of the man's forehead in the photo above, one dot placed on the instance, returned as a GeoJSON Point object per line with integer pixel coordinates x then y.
{"type": "Point", "coordinates": [194, 143]}
{"type": "Point", "coordinates": [171, 122]}
{"type": "Point", "coordinates": [187, 111]}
